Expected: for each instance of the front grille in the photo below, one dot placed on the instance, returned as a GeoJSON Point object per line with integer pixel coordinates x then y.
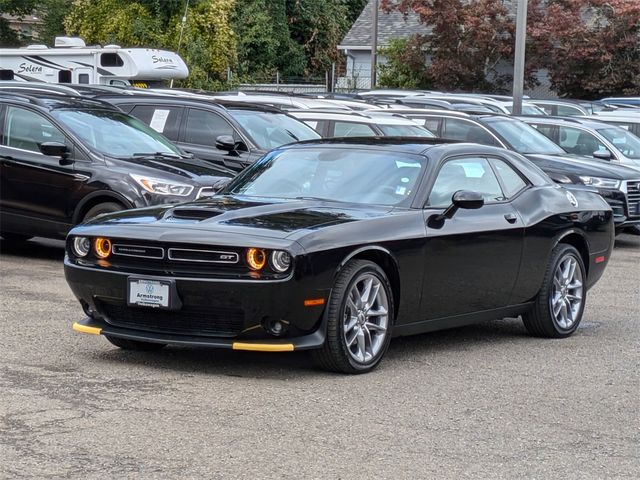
{"type": "Point", "coordinates": [142, 251]}
{"type": "Point", "coordinates": [200, 255]}
{"type": "Point", "coordinates": [633, 198]}
{"type": "Point", "coordinates": [218, 321]}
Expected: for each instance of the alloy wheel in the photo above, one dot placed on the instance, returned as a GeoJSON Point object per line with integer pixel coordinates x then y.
{"type": "Point", "coordinates": [366, 318]}
{"type": "Point", "coordinates": [567, 292]}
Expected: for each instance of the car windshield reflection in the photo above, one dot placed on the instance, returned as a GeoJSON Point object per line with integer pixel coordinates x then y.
{"type": "Point", "coordinates": [332, 174]}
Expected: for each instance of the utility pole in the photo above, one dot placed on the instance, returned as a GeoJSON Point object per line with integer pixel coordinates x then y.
{"type": "Point", "coordinates": [184, 22]}
{"type": "Point", "coordinates": [518, 61]}
{"type": "Point", "coordinates": [374, 43]}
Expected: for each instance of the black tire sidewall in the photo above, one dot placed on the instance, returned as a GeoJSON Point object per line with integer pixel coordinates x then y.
{"type": "Point", "coordinates": [366, 267]}
{"type": "Point", "coordinates": [107, 207]}
{"type": "Point", "coordinates": [567, 250]}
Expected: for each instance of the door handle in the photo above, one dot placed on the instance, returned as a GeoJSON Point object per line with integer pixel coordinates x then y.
{"type": "Point", "coordinates": [511, 217]}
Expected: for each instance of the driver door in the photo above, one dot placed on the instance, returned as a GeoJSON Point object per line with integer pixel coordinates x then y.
{"type": "Point", "coordinates": [472, 261]}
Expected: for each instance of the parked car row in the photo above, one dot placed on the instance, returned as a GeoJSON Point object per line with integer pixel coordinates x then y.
{"type": "Point", "coordinates": [274, 239]}
{"type": "Point", "coordinates": [226, 133]}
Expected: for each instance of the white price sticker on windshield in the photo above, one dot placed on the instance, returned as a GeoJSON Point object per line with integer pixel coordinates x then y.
{"type": "Point", "coordinates": [159, 120]}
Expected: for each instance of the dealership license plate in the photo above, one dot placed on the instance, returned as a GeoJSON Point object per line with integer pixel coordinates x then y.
{"type": "Point", "coordinates": [149, 293]}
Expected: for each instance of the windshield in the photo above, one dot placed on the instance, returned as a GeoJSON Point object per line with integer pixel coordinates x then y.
{"type": "Point", "coordinates": [523, 138]}
{"type": "Point", "coordinates": [334, 174]}
{"type": "Point", "coordinates": [270, 130]}
{"type": "Point", "coordinates": [115, 133]}
{"type": "Point", "coordinates": [527, 109]}
{"type": "Point", "coordinates": [405, 131]}
{"type": "Point", "coordinates": [627, 143]}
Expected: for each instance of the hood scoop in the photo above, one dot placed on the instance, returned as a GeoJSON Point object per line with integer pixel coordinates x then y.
{"type": "Point", "coordinates": [193, 213]}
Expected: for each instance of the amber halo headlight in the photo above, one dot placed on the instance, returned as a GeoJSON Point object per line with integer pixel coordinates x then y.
{"type": "Point", "coordinates": [102, 247]}
{"type": "Point", "coordinates": [280, 261]}
{"type": "Point", "coordinates": [256, 258]}
{"type": "Point", "coordinates": [81, 246]}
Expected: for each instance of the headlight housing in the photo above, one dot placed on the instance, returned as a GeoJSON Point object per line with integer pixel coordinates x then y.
{"type": "Point", "coordinates": [256, 258]}
{"type": "Point", "coordinates": [161, 186]}
{"type": "Point", "coordinates": [81, 246]}
{"type": "Point", "coordinates": [102, 247]}
{"type": "Point", "coordinates": [280, 261]}
{"type": "Point", "coordinates": [600, 182]}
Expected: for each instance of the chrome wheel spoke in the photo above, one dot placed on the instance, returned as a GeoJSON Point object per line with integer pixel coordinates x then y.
{"type": "Point", "coordinates": [366, 318]}
{"type": "Point", "coordinates": [566, 295]}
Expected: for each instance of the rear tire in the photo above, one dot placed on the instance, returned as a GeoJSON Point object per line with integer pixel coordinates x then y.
{"type": "Point", "coordinates": [126, 344]}
{"type": "Point", "coordinates": [107, 207]}
{"type": "Point", "coordinates": [14, 237]}
{"type": "Point", "coordinates": [559, 305]}
{"type": "Point", "coordinates": [359, 318]}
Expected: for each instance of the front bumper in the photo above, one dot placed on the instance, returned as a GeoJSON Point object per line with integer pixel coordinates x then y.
{"type": "Point", "coordinates": [305, 342]}
{"type": "Point", "coordinates": [214, 312]}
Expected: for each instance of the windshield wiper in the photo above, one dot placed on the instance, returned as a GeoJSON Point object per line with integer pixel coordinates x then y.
{"type": "Point", "coordinates": [156, 154]}
{"type": "Point", "coordinates": [292, 135]}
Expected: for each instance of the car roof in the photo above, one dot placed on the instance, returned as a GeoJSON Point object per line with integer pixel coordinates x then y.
{"type": "Point", "coordinates": [51, 101]}
{"type": "Point", "coordinates": [565, 121]}
{"type": "Point", "coordinates": [187, 100]}
{"type": "Point", "coordinates": [359, 117]}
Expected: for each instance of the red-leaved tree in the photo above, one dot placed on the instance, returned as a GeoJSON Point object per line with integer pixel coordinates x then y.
{"type": "Point", "coordinates": [590, 47]}
{"type": "Point", "coordinates": [465, 41]}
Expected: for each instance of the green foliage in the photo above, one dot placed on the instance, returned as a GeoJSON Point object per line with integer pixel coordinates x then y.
{"type": "Point", "coordinates": [406, 66]}
{"type": "Point", "coordinates": [52, 13]}
{"type": "Point", "coordinates": [208, 44]}
{"type": "Point", "coordinates": [9, 37]}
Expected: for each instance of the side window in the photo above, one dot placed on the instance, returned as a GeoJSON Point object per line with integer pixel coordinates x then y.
{"type": "Point", "coordinates": [26, 130]}
{"type": "Point", "coordinates": [511, 181]}
{"type": "Point", "coordinates": [456, 129]}
{"type": "Point", "coordinates": [548, 109]}
{"type": "Point", "coordinates": [430, 124]}
{"type": "Point", "coordinates": [204, 127]}
{"type": "Point", "coordinates": [472, 173]}
{"type": "Point", "coordinates": [546, 130]}
{"type": "Point", "coordinates": [579, 142]}
{"type": "Point", "coordinates": [165, 120]}
{"type": "Point", "coordinates": [352, 129]}
{"type": "Point", "coordinates": [568, 111]}
{"type": "Point", "coordinates": [83, 78]}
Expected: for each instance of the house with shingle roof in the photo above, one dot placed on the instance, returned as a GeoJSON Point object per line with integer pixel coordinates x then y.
{"type": "Point", "coordinates": [356, 44]}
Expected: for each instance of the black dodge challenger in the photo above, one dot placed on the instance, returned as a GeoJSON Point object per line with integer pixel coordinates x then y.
{"type": "Point", "coordinates": [336, 246]}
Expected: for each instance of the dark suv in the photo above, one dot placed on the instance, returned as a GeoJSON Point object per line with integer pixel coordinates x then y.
{"type": "Point", "coordinates": [231, 134]}
{"type": "Point", "coordinates": [67, 159]}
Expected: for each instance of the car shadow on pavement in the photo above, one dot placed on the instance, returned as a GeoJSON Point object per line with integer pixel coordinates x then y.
{"type": "Point", "coordinates": [625, 241]}
{"type": "Point", "coordinates": [35, 249]}
{"type": "Point", "coordinates": [300, 365]}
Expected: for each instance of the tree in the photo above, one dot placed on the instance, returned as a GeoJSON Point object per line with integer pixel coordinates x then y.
{"type": "Point", "coordinates": [405, 67]}
{"type": "Point", "coordinates": [9, 37]}
{"type": "Point", "coordinates": [208, 46]}
{"type": "Point", "coordinates": [52, 13]}
{"type": "Point", "coordinates": [318, 25]}
{"type": "Point", "coordinates": [591, 48]}
{"type": "Point", "coordinates": [465, 43]}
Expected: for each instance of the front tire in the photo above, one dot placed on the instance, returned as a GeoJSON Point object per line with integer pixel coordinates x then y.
{"type": "Point", "coordinates": [559, 305]}
{"type": "Point", "coordinates": [107, 207]}
{"type": "Point", "coordinates": [126, 344]}
{"type": "Point", "coordinates": [359, 319]}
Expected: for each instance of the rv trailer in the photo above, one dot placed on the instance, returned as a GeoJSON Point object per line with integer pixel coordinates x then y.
{"type": "Point", "coordinates": [71, 61]}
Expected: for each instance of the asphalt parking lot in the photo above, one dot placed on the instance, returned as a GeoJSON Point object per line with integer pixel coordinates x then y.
{"type": "Point", "coordinates": [484, 401]}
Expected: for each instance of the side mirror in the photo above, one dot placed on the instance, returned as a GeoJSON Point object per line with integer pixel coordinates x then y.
{"type": "Point", "coordinates": [56, 149]}
{"type": "Point", "coordinates": [225, 142]}
{"type": "Point", "coordinates": [220, 184]}
{"type": "Point", "coordinates": [600, 155]}
{"type": "Point", "coordinates": [461, 199]}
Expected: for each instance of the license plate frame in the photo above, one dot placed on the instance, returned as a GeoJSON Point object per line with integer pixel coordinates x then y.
{"type": "Point", "coordinates": [150, 292]}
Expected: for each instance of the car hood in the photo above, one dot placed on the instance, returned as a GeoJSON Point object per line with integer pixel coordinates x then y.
{"type": "Point", "coordinates": [194, 169]}
{"type": "Point", "coordinates": [577, 165]}
{"type": "Point", "coordinates": [229, 219]}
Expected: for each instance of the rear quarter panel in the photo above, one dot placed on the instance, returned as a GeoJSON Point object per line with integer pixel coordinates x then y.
{"type": "Point", "coordinates": [549, 216]}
